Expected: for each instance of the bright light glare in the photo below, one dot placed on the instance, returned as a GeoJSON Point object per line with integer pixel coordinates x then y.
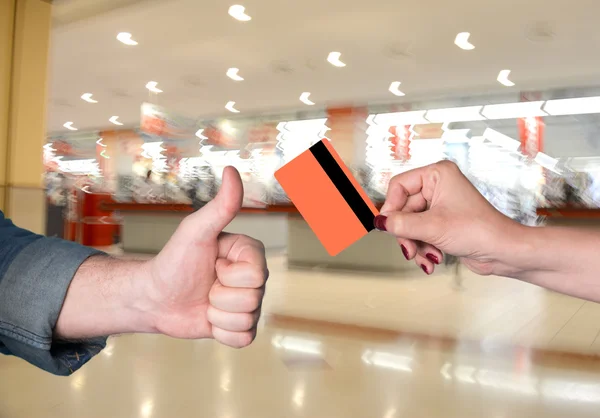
{"type": "Point", "coordinates": [238, 12]}
{"type": "Point", "coordinates": [388, 360]}
{"type": "Point", "coordinates": [114, 120]}
{"type": "Point", "coordinates": [99, 142]}
{"type": "Point", "coordinates": [88, 98]}
{"type": "Point", "coordinates": [546, 161]}
{"type": "Point", "coordinates": [233, 74]}
{"type": "Point", "coordinates": [230, 106]}
{"type": "Point", "coordinates": [462, 41]}
{"type": "Point", "coordinates": [154, 151]}
{"type": "Point", "coordinates": [146, 409]}
{"type": "Point", "coordinates": [89, 166]}
{"type": "Point", "coordinates": [304, 98]}
{"type": "Point", "coordinates": [503, 78]}
{"type": "Point", "coordinates": [296, 344]}
{"type": "Point", "coordinates": [502, 140]}
{"type": "Point", "coordinates": [152, 86]}
{"type": "Point", "coordinates": [415, 117]}
{"type": "Point", "coordinates": [455, 114]}
{"type": "Point", "coordinates": [199, 134]}
{"type": "Point", "coordinates": [298, 397]}
{"type": "Point", "coordinates": [395, 89]}
{"type": "Point", "coordinates": [69, 126]}
{"type": "Point", "coordinates": [513, 110]}
{"type": "Point", "coordinates": [579, 106]}
{"type": "Point", "coordinates": [456, 136]}
{"type": "Point", "coordinates": [125, 37]}
{"type": "Point", "coordinates": [334, 59]}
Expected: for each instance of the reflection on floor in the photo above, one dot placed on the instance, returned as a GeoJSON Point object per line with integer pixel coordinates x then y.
{"type": "Point", "coordinates": [492, 310]}
{"type": "Point", "coordinates": [412, 346]}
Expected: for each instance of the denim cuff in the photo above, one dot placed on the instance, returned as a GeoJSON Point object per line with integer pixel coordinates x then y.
{"type": "Point", "coordinates": [32, 293]}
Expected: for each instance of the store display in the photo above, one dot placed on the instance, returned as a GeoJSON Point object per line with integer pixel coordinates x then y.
{"type": "Point", "coordinates": [177, 159]}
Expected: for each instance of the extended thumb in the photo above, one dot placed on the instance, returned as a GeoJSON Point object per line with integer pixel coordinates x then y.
{"type": "Point", "coordinates": [220, 211]}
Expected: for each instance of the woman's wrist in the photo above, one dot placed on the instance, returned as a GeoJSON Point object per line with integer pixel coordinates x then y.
{"type": "Point", "coordinates": [516, 254]}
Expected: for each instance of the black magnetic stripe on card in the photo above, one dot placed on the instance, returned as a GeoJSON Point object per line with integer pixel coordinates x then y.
{"type": "Point", "coordinates": [343, 184]}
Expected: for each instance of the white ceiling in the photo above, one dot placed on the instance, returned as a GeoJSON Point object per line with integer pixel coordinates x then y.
{"type": "Point", "coordinates": [188, 45]}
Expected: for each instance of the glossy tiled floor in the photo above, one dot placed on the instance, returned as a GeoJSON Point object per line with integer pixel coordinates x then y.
{"type": "Point", "coordinates": [417, 347]}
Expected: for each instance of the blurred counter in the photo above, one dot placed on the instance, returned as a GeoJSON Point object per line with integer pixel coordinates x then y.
{"type": "Point", "coordinates": [570, 212]}
{"type": "Point", "coordinates": [146, 227]}
{"type": "Point", "coordinates": [571, 216]}
{"type": "Point", "coordinates": [374, 252]}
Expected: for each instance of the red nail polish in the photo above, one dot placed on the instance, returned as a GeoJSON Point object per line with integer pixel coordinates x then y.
{"type": "Point", "coordinates": [433, 259]}
{"type": "Point", "coordinates": [424, 267]}
{"type": "Point", "coordinates": [404, 251]}
{"type": "Point", "coordinates": [379, 222]}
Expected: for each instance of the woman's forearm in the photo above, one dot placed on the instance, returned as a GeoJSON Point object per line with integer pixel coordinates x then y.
{"type": "Point", "coordinates": [562, 259]}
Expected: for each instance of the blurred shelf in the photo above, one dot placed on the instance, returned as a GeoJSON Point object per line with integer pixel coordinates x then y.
{"type": "Point", "coordinates": [166, 208]}
{"type": "Point", "coordinates": [570, 212]}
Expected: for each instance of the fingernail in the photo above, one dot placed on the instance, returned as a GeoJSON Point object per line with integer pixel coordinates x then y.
{"type": "Point", "coordinates": [379, 222]}
{"type": "Point", "coordinates": [424, 267]}
{"type": "Point", "coordinates": [404, 251]}
{"type": "Point", "coordinates": [433, 259]}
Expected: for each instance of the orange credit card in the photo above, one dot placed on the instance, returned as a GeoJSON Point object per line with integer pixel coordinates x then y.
{"type": "Point", "coordinates": [328, 197]}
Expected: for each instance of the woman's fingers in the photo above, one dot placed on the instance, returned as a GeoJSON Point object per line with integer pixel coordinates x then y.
{"type": "Point", "coordinates": [430, 252]}
{"type": "Point", "coordinates": [427, 266]}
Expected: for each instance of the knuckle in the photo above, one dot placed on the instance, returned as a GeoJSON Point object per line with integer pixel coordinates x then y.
{"type": "Point", "coordinates": [447, 165]}
{"type": "Point", "coordinates": [395, 224]}
{"type": "Point", "coordinates": [255, 299]}
{"type": "Point", "coordinates": [256, 276]}
{"type": "Point", "coordinates": [247, 322]}
{"type": "Point", "coordinates": [245, 339]}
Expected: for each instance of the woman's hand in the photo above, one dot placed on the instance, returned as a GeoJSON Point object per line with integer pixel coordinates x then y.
{"type": "Point", "coordinates": [436, 209]}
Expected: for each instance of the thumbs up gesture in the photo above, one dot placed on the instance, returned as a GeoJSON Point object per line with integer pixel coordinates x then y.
{"type": "Point", "coordinates": [206, 283]}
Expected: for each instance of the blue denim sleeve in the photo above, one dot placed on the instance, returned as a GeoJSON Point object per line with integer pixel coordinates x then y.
{"type": "Point", "coordinates": [35, 273]}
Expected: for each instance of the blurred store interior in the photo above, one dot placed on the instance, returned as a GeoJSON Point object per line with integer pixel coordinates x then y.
{"type": "Point", "coordinates": [147, 101]}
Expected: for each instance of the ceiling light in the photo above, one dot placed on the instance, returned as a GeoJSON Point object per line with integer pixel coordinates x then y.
{"type": "Point", "coordinates": [513, 110]}
{"type": "Point", "coordinates": [462, 41]}
{"type": "Point", "coordinates": [125, 37]}
{"type": "Point", "coordinates": [114, 120]}
{"type": "Point", "coordinates": [151, 85]}
{"type": "Point", "coordinates": [304, 98]}
{"type": "Point", "coordinates": [334, 59]}
{"type": "Point", "coordinates": [455, 114]}
{"type": "Point", "coordinates": [88, 98]}
{"type": "Point", "coordinates": [456, 136]}
{"type": "Point", "coordinates": [229, 106]}
{"type": "Point", "coordinates": [69, 126]}
{"type": "Point", "coordinates": [502, 140]}
{"type": "Point", "coordinates": [238, 12]}
{"type": "Point", "coordinates": [233, 74]}
{"type": "Point", "coordinates": [503, 78]}
{"type": "Point", "coordinates": [580, 106]}
{"type": "Point", "coordinates": [395, 88]}
{"type": "Point", "coordinates": [415, 117]}
{"type": "Point", "coordinates": [199, 134]}
{"type": "Point", "coordinates": [547, 162]}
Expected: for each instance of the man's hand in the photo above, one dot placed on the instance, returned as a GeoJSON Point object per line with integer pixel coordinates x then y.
{"type": "Point", "coordinates": [206, 283]}
{"type": "Point", "coordinates": [203, 284]}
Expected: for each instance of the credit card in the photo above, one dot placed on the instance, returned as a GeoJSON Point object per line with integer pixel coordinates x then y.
{"type": "Point", "coordinates": [328, 197]}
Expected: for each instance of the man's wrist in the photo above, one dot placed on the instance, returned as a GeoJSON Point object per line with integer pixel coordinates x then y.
{"type": "Point", "coordinates": [107, 296]}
